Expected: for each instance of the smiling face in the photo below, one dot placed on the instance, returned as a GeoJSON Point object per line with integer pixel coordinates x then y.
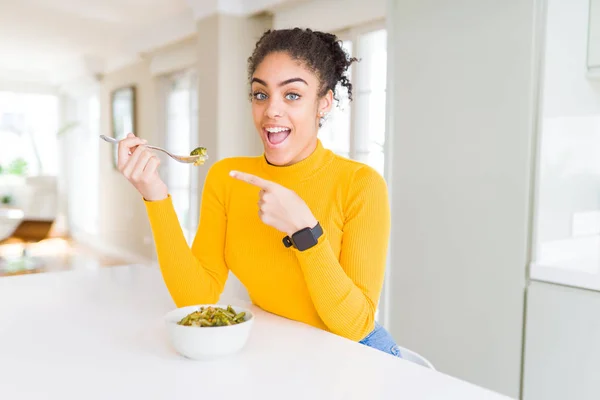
{"type": "Point", "coordinates": [286, 108]}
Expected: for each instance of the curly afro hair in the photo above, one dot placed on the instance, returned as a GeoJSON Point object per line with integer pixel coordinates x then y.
{"type": "Point", "coordinates": [320, 52]}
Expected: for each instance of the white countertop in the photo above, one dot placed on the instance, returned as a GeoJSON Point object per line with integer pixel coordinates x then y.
{"type": "Point", "coordinates": [99, 334]}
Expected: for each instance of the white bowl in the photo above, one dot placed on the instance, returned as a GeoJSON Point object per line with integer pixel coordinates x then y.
{"type": "Point", "coordinates": [209, 342]}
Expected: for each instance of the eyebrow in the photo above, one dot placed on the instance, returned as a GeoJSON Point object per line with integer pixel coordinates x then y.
{"type": "Point", "coordinates": [286, 82]}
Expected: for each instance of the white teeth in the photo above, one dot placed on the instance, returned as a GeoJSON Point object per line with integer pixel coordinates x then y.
{"type": "Point", "coordinates": [275, 130]}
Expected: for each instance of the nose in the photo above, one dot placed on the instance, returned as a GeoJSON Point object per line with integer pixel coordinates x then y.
{"type": "Point", "coordinates": [274, 109]}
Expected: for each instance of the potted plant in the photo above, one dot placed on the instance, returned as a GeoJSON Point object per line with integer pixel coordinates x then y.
{"type": "Point", "coordinates": [12, 181]}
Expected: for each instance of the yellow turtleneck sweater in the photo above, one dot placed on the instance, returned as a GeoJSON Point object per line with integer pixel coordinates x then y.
{"type": "Point", "coordinates": [334, 285]}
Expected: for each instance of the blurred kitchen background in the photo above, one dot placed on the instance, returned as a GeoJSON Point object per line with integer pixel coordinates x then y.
{"type": "Point", "coordinates": [483, 116]}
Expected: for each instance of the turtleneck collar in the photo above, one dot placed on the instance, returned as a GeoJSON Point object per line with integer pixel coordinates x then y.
{"type": "Point", "coordinates": [301, 170]}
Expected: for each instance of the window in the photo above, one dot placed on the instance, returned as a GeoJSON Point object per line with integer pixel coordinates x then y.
{"type": "Point", "coordinates": [181, 106]}
{"type": "Point", "coordinates": [28, 130]}
{"type": "Point", "coordinates": [370, 78]}
{"type": "Point", "coordinates": [335, 132]}
{"type": "Point", "coordinates": [81, 169]}
{"type": "Point", "coordinates": [567, 212]}
{"type": "Point", "coordinates": [357, 129]}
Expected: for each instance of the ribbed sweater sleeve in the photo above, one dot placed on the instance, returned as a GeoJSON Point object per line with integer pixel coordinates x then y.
{"type": "Point", "coordinates": [195, 275]}
{"type": "Point", "coordinates": [345, 292]}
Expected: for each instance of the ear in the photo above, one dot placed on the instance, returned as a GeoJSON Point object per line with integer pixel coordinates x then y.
{"type": "Point", "coordinates": [325, 103]}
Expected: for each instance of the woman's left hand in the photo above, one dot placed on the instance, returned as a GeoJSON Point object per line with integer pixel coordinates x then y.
{"type": "Point", "coordinates": [279, 206]}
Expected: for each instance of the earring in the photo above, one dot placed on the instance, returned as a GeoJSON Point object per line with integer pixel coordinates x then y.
{"type": "Point", "coordinates": [322, 113]}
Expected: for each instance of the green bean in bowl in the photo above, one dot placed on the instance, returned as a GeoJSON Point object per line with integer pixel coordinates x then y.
{"type": "Point", "coordinates": [208, 331]}
{"type": "Point", "coordinates": [213, 316]}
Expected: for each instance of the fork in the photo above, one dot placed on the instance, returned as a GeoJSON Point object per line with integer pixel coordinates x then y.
{"type": "Point", "coordinates": [181, 159]}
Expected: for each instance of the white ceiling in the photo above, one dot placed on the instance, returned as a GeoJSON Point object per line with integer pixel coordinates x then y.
{"type": "Point", "coordinates": [50, 41]}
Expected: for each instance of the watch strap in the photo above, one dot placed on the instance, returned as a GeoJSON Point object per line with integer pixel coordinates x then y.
{"type": "Point", "coordinates": [316, 231]}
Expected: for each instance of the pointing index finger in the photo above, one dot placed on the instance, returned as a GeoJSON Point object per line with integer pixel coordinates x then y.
{"type": "Point", "coordinates": [253, 180]}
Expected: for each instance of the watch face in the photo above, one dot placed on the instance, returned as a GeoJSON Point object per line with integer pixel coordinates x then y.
{"type": "Point", "coordinates": [304, 239]}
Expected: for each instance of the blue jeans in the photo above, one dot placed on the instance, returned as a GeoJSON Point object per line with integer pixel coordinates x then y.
{"type": "Point", "coordinates": [380, 339]}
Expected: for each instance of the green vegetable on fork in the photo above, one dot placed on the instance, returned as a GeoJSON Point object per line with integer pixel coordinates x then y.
{"type": "Point", "coordinates": [199, 151]}
{"type": "Point", "coordinates": [213, 316]}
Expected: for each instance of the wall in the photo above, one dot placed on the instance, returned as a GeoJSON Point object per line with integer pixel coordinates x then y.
{"type": "Point", "coordinates": [329, 15]}
{"type": "Point", "coordinates": [567, 91]}
{"type": "Point", "coordinates": [462, 108]}
{"type": "Point", "coordinates": [79, 169]}
{"type": "Point", "coordinates": [123, 219]}
{"type": "Point", "coordinates": [237, 38]}
{"type": "Point", "coordinates": [562, 350]}
{"type": "Point", "coordinates": [174, 56]}
{"type": "Point", "coordinates": [593, 59]}
{"type": "Point", "coordinates": [225, 119]}
{"type": "Point", "coordinates": [570, 169]}
{"type": "Point", "coordinates": [208, 88]}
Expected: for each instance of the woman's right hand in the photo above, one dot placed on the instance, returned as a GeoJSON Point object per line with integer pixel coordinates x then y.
{"type": "Point", "coordinates": [140, 166]}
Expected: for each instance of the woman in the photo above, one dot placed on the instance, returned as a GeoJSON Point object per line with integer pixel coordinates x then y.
{"type": "Point", "coordinates": [305, 231]}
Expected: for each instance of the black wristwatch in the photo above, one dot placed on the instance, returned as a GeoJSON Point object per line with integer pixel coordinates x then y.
{"type": "Point", "coordinates": [305, 238]}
